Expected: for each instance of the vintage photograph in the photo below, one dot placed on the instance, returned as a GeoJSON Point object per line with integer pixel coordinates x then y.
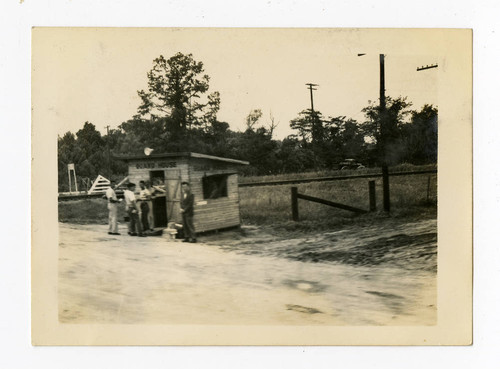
{"type": "Point", "coordinates": [243, 177]}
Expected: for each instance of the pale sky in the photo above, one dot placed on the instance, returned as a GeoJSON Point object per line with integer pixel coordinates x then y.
{"type": "Point", "coordinates": [93, 75]}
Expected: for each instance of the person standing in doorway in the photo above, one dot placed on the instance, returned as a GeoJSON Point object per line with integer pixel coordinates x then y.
{"type": "Point", "coordinates": [187, 210]}
{"type": "Point", "coordinates": [134, 227]}
{"type": "Point", "coordinates": [151, 219]}
{"type": "Point", "coordinates": [112, 208]}
{"type": "Point", "coordinates": [144, 199]}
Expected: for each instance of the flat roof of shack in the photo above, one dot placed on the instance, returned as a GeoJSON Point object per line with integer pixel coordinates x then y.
{"type": "Point", "coordinates": [180, 155]}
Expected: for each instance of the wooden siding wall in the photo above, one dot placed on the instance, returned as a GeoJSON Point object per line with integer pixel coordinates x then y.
{"type": "Point", "coordinates": [209, 214]}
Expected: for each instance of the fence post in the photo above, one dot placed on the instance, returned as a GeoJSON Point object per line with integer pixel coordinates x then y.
{"type": "Point", "coordinates": [373, 201]}
{"type": "Point", "coordinates": [385, 184]}
{"type": "Point", "coordinates": [428, 188]}
{"type": "Point", "coordinates": [295, 205]}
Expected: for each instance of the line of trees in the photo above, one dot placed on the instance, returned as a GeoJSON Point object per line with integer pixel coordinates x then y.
{"type": "Point", "coordinates": [179, 113]}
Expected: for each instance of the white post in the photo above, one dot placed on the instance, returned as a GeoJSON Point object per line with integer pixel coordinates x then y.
{"type": "Point", "coordinates": [76, 183]}
{"type": "Point", "coordinates": [69, 176]}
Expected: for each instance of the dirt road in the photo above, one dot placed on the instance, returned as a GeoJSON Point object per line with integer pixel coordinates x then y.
{"type": "Point", "coordinates": [368, 276]}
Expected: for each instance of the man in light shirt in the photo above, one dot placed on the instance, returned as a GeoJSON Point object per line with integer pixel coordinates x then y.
{"type": "Point", "coordinates": [144, 199]}
{"type": "Point", "coordinates": [112, 208]}
{"type": "Point", "coordinates": [151, 219]}
{"type": "Point", "coordinates": [134, 228]}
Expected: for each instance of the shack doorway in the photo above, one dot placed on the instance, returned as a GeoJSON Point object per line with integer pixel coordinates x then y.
{"type": "Point", "coordinates": [160, 211]}
{"type": "Point", "coordinates": [157, 178]}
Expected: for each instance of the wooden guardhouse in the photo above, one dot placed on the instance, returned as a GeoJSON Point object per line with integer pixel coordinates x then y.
{"type": "Point", "coordinates": [213, 180]}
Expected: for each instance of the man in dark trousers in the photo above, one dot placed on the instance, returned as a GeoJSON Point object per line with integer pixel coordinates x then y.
{"type": "Point", "coordinates": [187, 210]}
{"type": "Point", "coordinates": [144, 197]}
{"type": "Point", "coordinates": [132, 208]}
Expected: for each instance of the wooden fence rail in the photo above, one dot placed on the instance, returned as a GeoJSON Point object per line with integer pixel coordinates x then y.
{"type": "Point", "coordinates": [336, 178]}
{"type": "Point", "coordinates": [296, 196]}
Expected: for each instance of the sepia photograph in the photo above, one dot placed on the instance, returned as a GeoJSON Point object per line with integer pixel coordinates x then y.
{"type": "Point", "coordinates": [251, 186]}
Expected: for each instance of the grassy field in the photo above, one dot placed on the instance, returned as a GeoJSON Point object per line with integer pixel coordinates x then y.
{"type": "Point", "coordinates": [271, 205]}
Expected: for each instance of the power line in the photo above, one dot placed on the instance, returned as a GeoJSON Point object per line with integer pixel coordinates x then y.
{"type": "Point", "coordinates": [427, 67]}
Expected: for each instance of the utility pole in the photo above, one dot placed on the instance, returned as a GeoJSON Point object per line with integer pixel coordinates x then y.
{"type": "Point", "coordinates": [109, 156]}
{"type": "Point", "coordinates": [382, 82]}
{"type": "Point", "coordinates": [311, 89]}
{"type": "Point", "coordinates": [383, 137]}
{"type": "Point", "coordinates": [315, 122]}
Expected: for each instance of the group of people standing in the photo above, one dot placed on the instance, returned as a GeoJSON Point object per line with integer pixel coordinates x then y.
{"type": "Point", "coordinates": [140, 210]}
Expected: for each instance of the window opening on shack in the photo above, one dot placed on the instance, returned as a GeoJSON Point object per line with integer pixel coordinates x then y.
{"type": "Point", "coordinates": [215, 186]}
{"type": "Point", "coordinates": [157, 177]}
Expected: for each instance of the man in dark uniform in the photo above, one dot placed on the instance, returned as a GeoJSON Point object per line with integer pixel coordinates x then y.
{"type": "Point", "coordinates": [187, 210]}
